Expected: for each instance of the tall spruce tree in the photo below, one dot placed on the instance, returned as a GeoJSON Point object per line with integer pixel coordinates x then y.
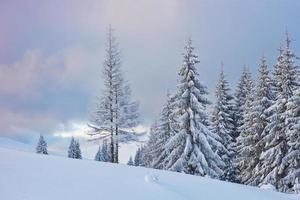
{"type": "Point", "coordinates": [190, 149]}
{"type": "Point", "coordinates": [223, 126]}
{"type": "Point", "coordinates": [242, 142]}
{"type": "Point", "coordinates": [291, 162]}
{"type": "Point", "coordinates": [274, 164]}
{"type": "Point", "coordinates": [255, 122]}
{"type": "Point", "coordinates": [116, 113]}
{"type": "Point", "coordinates": [42, 146]}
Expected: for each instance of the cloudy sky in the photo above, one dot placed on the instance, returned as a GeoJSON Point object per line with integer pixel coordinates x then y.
{"type": "Point", "coordinates": [51, 52]}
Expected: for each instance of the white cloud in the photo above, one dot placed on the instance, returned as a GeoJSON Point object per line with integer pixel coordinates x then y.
{"type": "Point", "coordinates": [72, 129]}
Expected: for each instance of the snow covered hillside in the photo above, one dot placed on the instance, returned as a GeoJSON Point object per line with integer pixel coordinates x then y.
{"type": "Point", "coordinates": [29, 176]}
{"type": "Point", "coordinates": [13, 144]}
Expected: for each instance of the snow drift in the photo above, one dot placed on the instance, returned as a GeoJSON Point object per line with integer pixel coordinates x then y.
{"type": "Point", "coordinates": [29, 176]}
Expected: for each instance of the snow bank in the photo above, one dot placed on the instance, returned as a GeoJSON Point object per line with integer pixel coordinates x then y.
{"type": "Point", "coordinates": [29, 176]}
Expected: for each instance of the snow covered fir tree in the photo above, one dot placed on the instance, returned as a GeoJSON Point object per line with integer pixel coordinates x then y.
{"type": "Point", "coordinates": [190, 148]}
{"type": "Point", "coordinates": [279, 164]}
{"type": "Point", "coordinates": [222, 124]}
{"type": "Point", "coordinates": [115, 113]}
{"type": "Point", "coordinates": [159, 134]}
{"type": "Point", "coordinates": [74, 149]}
{"type": "Point", "coordinates": [255, 120]}
{"type": "Point", "coordinates": [103, 153]}
{"type": "Point", "coordinates": [42, 146]}
{"type": "Point", "coordinates": [138, 158]}
{"type": "Point", "coordinates": [243, 88]}
{"type": "Point", "coordinates": [130, 161]}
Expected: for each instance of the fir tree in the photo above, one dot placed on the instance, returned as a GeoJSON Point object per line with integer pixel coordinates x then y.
{"type": "Point", "coordinates": [255, 122]}
{"type": "Point", "coordinates": [190, 149]}
{"type": "Point", "coordinates": [116, 113]}
{"type": "Point", "coordinates": [130, 161]}
{"type": "Point", "coordinates": [138, 158]}
{"type": "Point", "coordinates": [245, 141]}
{"type": "Point", "coordinates": [78, 150]}
{"type": "Point", "coordinates": [291, 161]}
{"type": "Point", "coordinates": [242, 106]}
{"type": "Point", "coordinates": [74, 149]}
{"type": "Point", "coordinates": [160, 133]}
{"type": "Point", "coordinates": [151, 146]}
{"type": "Point", "coordinates": [42, 146]}
{"type": "Point", "coordinates": [274, 164]}
{"type": "Point", "coordinates": [102, 153]}
{"type": "Point", "coordinates": [290, 166]}
{"type": "Point", "coordinates": [71, 151]}
{"type": "Point", "coordinates": [243, 88]}
{"type": "Point", "coordinates": [223, 126]}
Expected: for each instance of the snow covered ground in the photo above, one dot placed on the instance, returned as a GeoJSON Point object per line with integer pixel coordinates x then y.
{"type": "Point", "coordinates": [13, 144]}
{"type": "Point", "coordinates": [29, 176]}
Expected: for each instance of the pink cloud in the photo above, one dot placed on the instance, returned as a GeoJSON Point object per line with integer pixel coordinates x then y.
{"type": "Point", "coordinates": [24, 82]}
{"type": "Point", "coordinates": [22, 77]}
{"type": "Point", "coordinates": [13, 122]}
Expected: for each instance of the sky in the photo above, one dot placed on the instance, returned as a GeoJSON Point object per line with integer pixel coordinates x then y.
{"type": "Point", "coordinates": [52, 51]}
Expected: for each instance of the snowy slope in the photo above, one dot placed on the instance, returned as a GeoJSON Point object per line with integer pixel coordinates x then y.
{"type": "Point", "coordinates": [16, 145]}
{"type": "Point", "coordinates": [29, 176]}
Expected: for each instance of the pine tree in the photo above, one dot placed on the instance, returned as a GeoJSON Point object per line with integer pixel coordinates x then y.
{"type": "Point", "coordinates": [290, 165]}
{"type": "Point", "coordinates": [291, 162]}
{"type": "Point", "coordinates": [151, 146]}
{"type": "Point", "coordinates": [130, 161]}
{"type": "Point", "coordinates": [223, 126]}
{"type": "Point", "coordinates": [74, 149]}
{"type": "Point", "coordinates": [262, 102]}
{"type": "Point", "coordinates": [78, 150]}
{"type": "Point", "coordinates": [190, 149]}
{"type": "Point", "coordinates": [116, 113]}
{"type": "Point", "coordinates": [102, 153]}
{"type": "Point", "coordinates": [42, 146]}
{"type": "Point", "coordinates": [244, 141]}
{"type": "Point", "coordinates": [138, 158]}
{"type": "Point", "coordinates": [255, 122]}
{"type": "Point", "coordinates": [242, 105]}
{"type": "Point", "coordinates": [160, 133]}
{"type": "Point", "coordinates": [275, 165]}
